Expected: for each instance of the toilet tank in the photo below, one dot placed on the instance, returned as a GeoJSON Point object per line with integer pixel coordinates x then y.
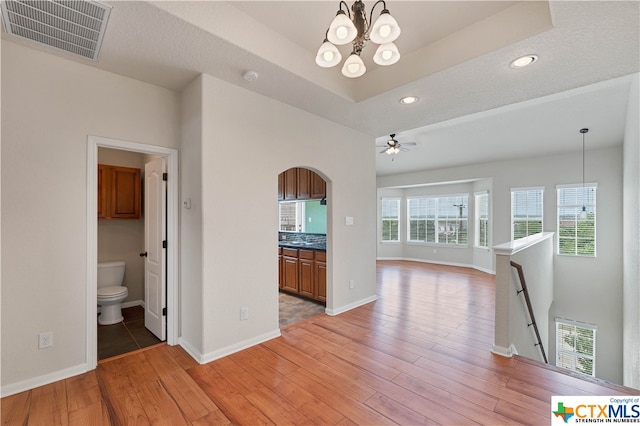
{"type": "Point", "coordinates": [110, 273]}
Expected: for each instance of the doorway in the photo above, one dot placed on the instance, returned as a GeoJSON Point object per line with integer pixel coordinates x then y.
{"type": "Point", "coordinates": [171, 157]}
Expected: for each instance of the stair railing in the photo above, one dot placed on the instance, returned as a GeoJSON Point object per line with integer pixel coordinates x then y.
{"type": "Point", "coordinates": [531, 315]}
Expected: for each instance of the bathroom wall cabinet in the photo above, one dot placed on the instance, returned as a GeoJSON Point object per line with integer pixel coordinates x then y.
{"type": "Point", "coordinates": [119, 191]}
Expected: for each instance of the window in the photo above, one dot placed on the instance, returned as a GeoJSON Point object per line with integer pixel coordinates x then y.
{"type": "Point", "coordinates": [390, 219]}
{"type": "Point", "coordinates": [576, 346]}
{"type": "Point", "coordinates": [526, 212]}
{"type": "Point", "coordinates": [576, 235]}
{"type": "Point", "coordinates": [482, 220]}
{"type": "Point", "coordinates": [292, 216]}
{"type": "Point", "coordinates": [438, 219]}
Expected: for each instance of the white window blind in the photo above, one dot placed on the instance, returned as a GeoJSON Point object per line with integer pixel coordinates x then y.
{"type": "Point", "coordinates": [438, 219]}
{"type": "Point", "coordinates": [576, 346]}
{"type": "Point", "coordinates": [482, 219]}
{"type": "Point", "coordinates": [576, 235]}
{"type": "Point", "coordinates": [526, 211]}
{"type": "Point", "coordinates": [390, 212]}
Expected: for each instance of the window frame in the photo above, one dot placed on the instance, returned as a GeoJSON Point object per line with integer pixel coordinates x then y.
{"type": "Point", "coordinates": [433, 217]}
{"type": "Point", "coordinates": [479, 219]}
{"type": "Point", "coordinates": [397, 201]}
{"type": "Point", "coordinates": [526, 207]}
{"type": "Point", "coordinates": [574, 352]}
{"type": "Point", "coordinates": [591, 207]}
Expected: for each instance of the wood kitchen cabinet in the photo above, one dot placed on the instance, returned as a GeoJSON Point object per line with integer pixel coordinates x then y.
{"type": "Point", "coordinates": [317, 187]}
{"type": "Point", "coordinates": [299, 183]}
{"type": "Point", "coordinates": [290, 270]}
{"type": "Point", "coordinates": [119, 191]}
{"type": "Point", "coordinates": [303, 272]}
{"type": "Point", "coordinates": [291, 184]}
{"type": "Point", "coordinates": [320, 276]}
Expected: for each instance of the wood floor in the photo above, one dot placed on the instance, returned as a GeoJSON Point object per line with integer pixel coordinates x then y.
{"type": "Point", "coordinates": [418, 355]}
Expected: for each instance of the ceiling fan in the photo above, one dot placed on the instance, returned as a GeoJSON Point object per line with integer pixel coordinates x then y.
{"type": "Point", "coordinates": [393, 146]}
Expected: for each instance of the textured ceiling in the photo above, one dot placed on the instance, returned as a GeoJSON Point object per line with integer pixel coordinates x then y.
{"type": "Point", "coordinates": [455, 58]}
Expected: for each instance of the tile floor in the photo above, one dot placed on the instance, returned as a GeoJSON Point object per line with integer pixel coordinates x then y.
{"type": "Point", "coordinates": [131, 334]}
{"type": "Point", "coordinates": [126, 336]}
{"type": "Point", "coordinates": [295, 309]}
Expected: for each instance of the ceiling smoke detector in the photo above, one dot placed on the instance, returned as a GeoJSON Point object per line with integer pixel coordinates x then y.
{"type": "Point", "coordinates": [76, 26]}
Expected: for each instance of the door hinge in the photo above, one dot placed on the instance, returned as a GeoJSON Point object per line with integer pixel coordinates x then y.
{"type": "Point", "coordinates": [165, 176]}
{"type": "Point", "coordinates": [164, 244]}
{"type": "Point", "coordinates": [164, 312]}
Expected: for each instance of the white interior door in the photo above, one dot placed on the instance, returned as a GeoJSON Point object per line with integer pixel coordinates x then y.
{"type": "Point", "coordinates": [155, 278]}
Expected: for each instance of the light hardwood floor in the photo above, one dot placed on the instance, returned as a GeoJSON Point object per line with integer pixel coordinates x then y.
{"type": "Point", "coordinates": [418, 355]}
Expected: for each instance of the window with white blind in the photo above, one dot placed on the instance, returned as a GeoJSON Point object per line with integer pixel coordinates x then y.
{"type": "Point", "coordinates": [526, 211]}
{"type": "Point", "coordinates": [482, 220]}
{"type": "Point", "coordinates": [440, 220]}
{"type": "Point", "coordinates": [577, 229]}
{"type": "Point", "coordinates": [390, 212]}
{"type": "Point", "coordinates": [576, 346]}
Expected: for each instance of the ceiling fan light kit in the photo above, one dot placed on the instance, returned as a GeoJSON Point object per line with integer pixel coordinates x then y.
{"type": "Point", "coordinates": [393, 146]}
{"type": "Point", "coordinates": [357, 29]}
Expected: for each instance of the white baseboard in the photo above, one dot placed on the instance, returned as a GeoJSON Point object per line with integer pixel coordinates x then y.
{"type": "Point", "coordinates": [127, 304]}
{"type": "Point", "coordinates": [505, 352]}
{"type": "Point", "coordinates": [228, 350]}
{"type": "Point", "coordinates": [436, 262]}
{"type": "Point", "coordinates": [45, 379]}
{"type": "Point", "coordinates": [350, 306]}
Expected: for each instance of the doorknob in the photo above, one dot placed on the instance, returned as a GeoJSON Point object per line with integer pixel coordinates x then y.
{"type": "Point", "coordinates": [143, 254]}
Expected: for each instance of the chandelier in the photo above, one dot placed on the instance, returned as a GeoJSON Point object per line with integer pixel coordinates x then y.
{"type": "Point", "coordinates": [356, 29]}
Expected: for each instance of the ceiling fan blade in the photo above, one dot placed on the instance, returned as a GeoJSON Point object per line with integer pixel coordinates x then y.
{"type": "Point", "coordinates": [409, 143]}
{"type": "Point", "coordinates": [383, 151]}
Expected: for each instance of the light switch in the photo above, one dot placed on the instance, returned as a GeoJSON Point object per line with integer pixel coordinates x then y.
{"type": "Point", "coordinates": [187, 203]}
{"type": "Point", "coordinates": [348, 220]}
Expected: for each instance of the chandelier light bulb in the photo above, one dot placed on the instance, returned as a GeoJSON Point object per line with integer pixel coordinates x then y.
{"type": "Point", "coordinates": [328, 55]}
{"type": "Point", "coordinates": [353, 67]}
{"type": "Point", "coordinates": [385, 29]}
{"type": "Point", "coordinates": [387, 54]}
{"type": "Point", "coordinates": [342, 30]}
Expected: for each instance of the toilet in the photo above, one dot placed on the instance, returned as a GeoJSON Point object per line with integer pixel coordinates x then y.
{"type": "Point", "coordinates": [111, 292]}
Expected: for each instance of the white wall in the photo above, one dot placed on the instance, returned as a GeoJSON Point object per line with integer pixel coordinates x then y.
{"type": "Point", "coordinates": [247, 140]}
{"type": "Point", "coordinates": [49, 106]}
{"type": "Point", "coordinates": [586, 289]}
{"type": "Point", "coordinates": [631, 226]}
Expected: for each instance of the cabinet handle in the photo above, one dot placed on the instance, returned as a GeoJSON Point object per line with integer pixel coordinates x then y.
{"type": "Point", "coordinates": [143, 254]}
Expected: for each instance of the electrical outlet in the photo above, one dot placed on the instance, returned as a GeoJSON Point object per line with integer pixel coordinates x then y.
{"type": "Point", "coordinates": [45, 340]}
{"type": "Point", "coordinates": [244, 313]}
{"type": "Point", "coordinates": [351, 285]}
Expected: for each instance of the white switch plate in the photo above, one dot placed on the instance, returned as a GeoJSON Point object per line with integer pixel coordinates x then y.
{"type": "Point", "coordinates": [348, 220]}
{"type": "Point", "coordinates": [244, 313]}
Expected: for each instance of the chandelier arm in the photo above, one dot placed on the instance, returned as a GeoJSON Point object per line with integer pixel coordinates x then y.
{"type": "Point", "coordinates": [346, 6]}
{"type": "Point", "coordinates": [384, 7]}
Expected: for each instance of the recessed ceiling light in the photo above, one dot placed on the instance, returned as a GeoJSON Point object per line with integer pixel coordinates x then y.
{"type": "Point", "coordinates": [524, 61]}
{"type": "Point", "coordinates": [409, 100]}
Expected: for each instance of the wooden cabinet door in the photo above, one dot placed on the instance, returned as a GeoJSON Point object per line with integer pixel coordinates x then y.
{"type": "Point", "coordinates": [103, 176]}
{"type": "Point", "coordinates": [305, 277]}
{"type": "Point", "coordinates": [290, 274]}
{"type": "Point", "coordinates": [280, 280]}
{"type": "Point", "coordinates": [304, 183]}
{"type": "Point", "coordinates": [281, 186]}
{"type": "Point", "coordinates": [320, 277]}
{"type": "Point", "coordinates": [318, 187]}
{"type": "Point", "coordinates": [291, 184]}
{"type": "Point", "coordinates": [125, 193]}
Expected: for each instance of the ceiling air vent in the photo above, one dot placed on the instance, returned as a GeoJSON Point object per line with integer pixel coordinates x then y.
{"type": "Point", "coordinates": [74, 26]}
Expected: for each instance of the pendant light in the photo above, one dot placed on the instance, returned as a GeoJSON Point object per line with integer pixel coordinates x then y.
{"type": "Point", "coordinates": [583, 213]}
{"type": "Point", "coordinates": [354, 27]}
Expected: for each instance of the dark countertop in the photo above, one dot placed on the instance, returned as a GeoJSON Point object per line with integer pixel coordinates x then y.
{"type": "Point", "coordinates": [308, 246]}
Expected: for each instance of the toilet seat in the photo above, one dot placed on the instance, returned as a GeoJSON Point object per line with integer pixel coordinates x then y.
{"type": "Point", "coordinates": [113, 292]}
